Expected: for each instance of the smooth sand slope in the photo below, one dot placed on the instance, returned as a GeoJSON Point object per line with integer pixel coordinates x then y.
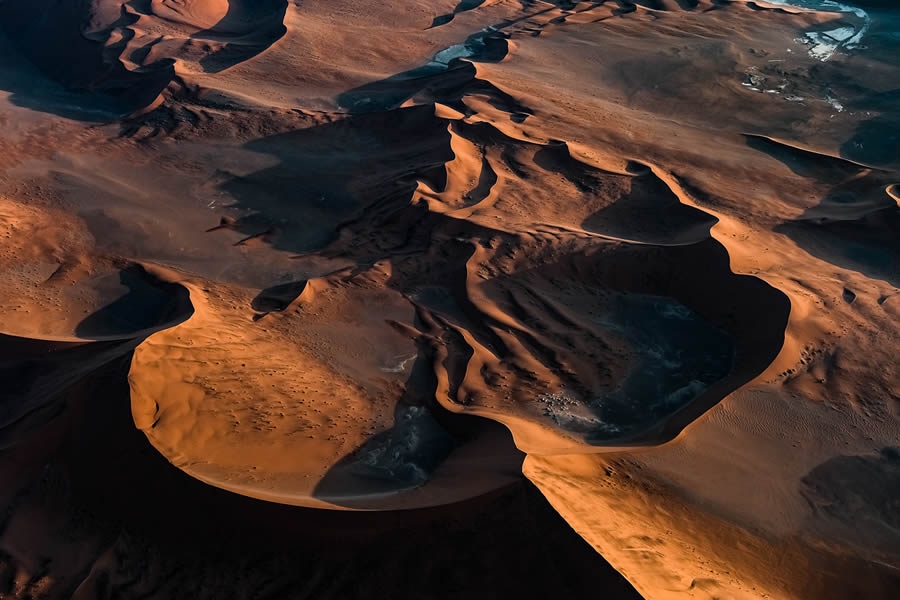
{"type": "Point", "coordinates": [337, 257]}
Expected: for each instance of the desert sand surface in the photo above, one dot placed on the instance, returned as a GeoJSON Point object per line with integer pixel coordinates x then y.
{"type": "Point", "coordinates": [438, 299]}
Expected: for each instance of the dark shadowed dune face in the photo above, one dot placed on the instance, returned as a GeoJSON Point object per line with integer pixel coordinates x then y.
{"type": "Point", "coordinates": [50, 35]}
{"type": "Point", "coordinates": [216, 34]}
{"type": "Point", "coordinates": [147, 305]}
{"type": "Point", "coordinates": [835, 486]}
{"type": "Point", "coordinates": [118, 56]}
{"type": "Point", "coordinates": [296, 294]}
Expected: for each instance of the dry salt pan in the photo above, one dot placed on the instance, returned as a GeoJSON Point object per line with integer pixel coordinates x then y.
{"type": "Point", "coordinates": [822, 45]}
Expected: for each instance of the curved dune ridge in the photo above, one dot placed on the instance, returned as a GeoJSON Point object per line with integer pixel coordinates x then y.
{"type": "Point", "coordinates": [894, 192]}
{"type": "Point", "coordinates": [450, 325]}
{"type": "Point", "coordinates": [454, 329]}
{"type": "Point", "coordinates": [78, 466]}
{"type": "Point", "coordinates": [647, 247]}
{"type": "Point", "coordinates": [204, 35]}
{"type": "Point", "coordinates": [127, 53]}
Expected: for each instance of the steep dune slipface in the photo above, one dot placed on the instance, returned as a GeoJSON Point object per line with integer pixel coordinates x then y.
{"type": "Point", "coordinates": [200, 35]}
{"type": "Point", "coordinates": [455, 299]}
{"type": "Point", "coordinates": [67, 316]}
{"type": "Point", "coordinates": [50, 35]}
{"type": "Point", "coordinates": [223, 16]}
{"type": "Point", "coordinates": [758, 459]}
{"type": "Point", "coordinates": [337, 393]}
{"type": "Point", "coordinates": [119, 57]}
{"type": "Point", "coordinates": [591, 349]}
{"type": "Point", "coordinates": [649, 243]}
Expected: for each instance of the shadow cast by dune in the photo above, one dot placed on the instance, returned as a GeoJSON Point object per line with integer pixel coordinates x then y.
{"type": "Point", "coordinates": [697, 332]}
{"type": "Point", "coordinates": [446, 83]}
{"type": "Point", "coordinates": [651, 213]}
{"type": "Point", "coordinates": [463, 6]}
{"type": "Point", "coordinates": [249, 28]}
{"type": "Point", "coordinates": [858, 494]}
{"type": "Point", "coordinates": [122, 522]}
{"type": "Point", "coordinates": [362, 166]}
{"type": "Point", "coordinates": [40, 377]}
{"type": "Point", "coordinates": [445, 79]}
{"type": "Point", "coordinates": [150, 304]}
{"type": "Point", "coordinates": [868, 245]}
{"type": "Point", "coordinates": [876, 141]}
{"type": "Point", "coordinates": [855, 225]}
{"type": "Point", "coordinates": [388, 465]}
{"type": "Point", "coordinates": [277, 297]}
{"type": "Point", "coordinates": [753, 314]}
{"type": "Point", "coordinates": [75, 81]}
{"type": "Point", "coordinates": [404, 458]}
{"type": "Point", "coordinates": [400, 458]}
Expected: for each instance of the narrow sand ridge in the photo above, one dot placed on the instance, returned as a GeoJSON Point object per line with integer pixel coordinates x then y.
{"type": "Point", "coordinates": [649, 243]}
{"type": "Point", "coordinates": [894, 192]}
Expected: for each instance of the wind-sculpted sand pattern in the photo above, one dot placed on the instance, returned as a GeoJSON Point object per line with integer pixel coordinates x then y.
{"type": "Point", "coordinates": [646, 247]}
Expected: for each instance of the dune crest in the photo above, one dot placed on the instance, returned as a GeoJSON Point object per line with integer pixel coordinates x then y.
{"type": "Point", "coordinates": [332, 266]}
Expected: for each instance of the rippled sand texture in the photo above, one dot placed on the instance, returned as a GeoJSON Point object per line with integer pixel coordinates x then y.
{"type": "Point", "coordinates": [349, 264]}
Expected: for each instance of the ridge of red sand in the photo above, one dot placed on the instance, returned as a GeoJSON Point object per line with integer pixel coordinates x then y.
{"type": "Point", "coordinates": [648, 247]}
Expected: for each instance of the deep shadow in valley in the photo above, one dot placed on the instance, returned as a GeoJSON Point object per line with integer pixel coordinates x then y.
{"type": "Point", "coordinates": [75, 79]}
{"type": "Point", "coordinates": [345, 189]}
{"type": "Point", "coordinates": [93, 511]}
{"type": "Point", "coordinates": [876, 140]}
{"type": "Point", "coordinates": [855, 225]}
{"type": "Point", "coordinates": [150, 304]}
{"type": "Point", "coordinates": [248, 28]}
{"type": "Point", "coordinates": [334, 173]}
{"type": "Point", "coordinates": [858, 493]}
{"type": "Point", "coordinates": [423, 439]}
{"type": "Point", "coordinates": [81, 75]}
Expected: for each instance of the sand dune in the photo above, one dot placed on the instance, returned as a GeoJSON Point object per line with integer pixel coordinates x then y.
{"type": "Point", "coordinates": [293, 289]}
{"type": "Point", "coordinates": [203, 35]}
{"type": "Point", "coordinates": [98, 512]}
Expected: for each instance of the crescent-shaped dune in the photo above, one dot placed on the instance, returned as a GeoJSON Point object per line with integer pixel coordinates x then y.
{"type": "Point", "coordinates": [441, 299]}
